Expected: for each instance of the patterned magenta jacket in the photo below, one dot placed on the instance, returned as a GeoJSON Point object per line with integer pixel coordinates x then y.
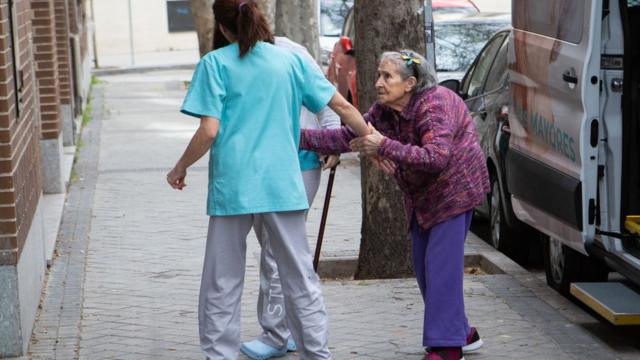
{"type": "Point", "coordinates": [440, 166]}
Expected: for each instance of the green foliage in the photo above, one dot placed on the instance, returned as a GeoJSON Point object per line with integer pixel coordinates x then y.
{"type": "Point", "coordinates": [96, 81]}
{"type": "Point", "coordinates": [86, 114]}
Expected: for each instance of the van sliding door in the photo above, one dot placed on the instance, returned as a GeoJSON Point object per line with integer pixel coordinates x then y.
{"type": "Point", "coordinates": [552, 158]}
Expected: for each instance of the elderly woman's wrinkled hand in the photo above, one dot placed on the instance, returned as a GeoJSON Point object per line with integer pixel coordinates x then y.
{"type": "Point", "coordinates": [367, 145]}
{"type": "Point", "coordinates": [385, 165]}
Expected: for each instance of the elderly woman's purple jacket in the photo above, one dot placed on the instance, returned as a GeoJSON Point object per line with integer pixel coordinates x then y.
{"type": "Point", "coordinates": [440, 166]}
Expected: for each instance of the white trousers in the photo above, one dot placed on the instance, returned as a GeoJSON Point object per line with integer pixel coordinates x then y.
{"type": "Point", "coordinates": [271, 306]}
{"type": "Point", "coordinates": [223, 281]}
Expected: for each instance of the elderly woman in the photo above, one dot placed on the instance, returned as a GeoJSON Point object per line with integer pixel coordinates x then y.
{"type": "Point", "coordinates": [423, 134]}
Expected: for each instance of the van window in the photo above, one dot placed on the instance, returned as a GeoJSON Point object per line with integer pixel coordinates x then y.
{"type": "Point", "coordinates": [559, 19]}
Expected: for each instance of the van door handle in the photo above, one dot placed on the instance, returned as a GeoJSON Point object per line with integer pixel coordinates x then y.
{"type": "Point", "coordinates": [570, 77]}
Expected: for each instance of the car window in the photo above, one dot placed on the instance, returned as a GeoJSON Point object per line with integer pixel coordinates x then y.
{"type": "Point", "coordinates": [349, 29]}
{"type": "Point", "coordinates": [498, 72]}
{"type": "Point", "coordinates": [472, 85]}
{"type": "Point", "coordinates": [332, 14]}
{"type": "Point", "coordinates": [559, 19]}
{"type": "Point", "coordinates": [458, 43]}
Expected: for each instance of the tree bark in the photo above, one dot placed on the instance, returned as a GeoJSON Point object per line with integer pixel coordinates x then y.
{"type": "Point", "coordinates": [385, 248]}
{"type": "Point", "coordinates": [203, 17]}
{"type": "Point", "coordinates": [298, 20]}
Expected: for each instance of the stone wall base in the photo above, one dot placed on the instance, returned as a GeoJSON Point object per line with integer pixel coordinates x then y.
{"type": "Point", "coordinates": [21, 288]}
{"type": "Point", "coordinates": [68, 125]}
{"type": "Point", "coordinates": [52, 156]}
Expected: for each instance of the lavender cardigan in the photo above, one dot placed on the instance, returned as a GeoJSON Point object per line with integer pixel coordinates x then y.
{"type": "Point", "coordinates": [440, 166]}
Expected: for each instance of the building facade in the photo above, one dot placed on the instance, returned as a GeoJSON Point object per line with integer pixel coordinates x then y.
{"type": "Point", "coordinates": [44, 57]}
{"type": "Point", "coordinates": [128, 29]}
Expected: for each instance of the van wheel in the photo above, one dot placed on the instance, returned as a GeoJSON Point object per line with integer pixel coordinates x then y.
{"type": "Point", "coordinates": [563, 265]}
{"type": "Point", "coordinates": [501, 233]}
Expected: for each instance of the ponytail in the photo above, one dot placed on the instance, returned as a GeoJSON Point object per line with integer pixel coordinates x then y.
{"type": "Point", "coordinates": [245, 20]}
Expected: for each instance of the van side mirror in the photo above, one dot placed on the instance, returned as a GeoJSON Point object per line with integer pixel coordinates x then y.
{"type": "Point", "coordinates": [347, 45]}
{"type": "Point", "coordinates": [451, 84]}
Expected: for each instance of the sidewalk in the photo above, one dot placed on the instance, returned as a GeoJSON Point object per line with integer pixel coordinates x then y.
{"type": "Point", "coordinates": [146, 61]}
{"type": "Point", "coordinates": [126, 282]}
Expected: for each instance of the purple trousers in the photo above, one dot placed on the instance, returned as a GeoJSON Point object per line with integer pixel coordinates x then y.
{"type": "Point", "coordinates": [438, 260]}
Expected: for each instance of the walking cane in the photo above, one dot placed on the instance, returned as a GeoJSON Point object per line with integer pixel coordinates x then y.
{"type": "Point", "coordinates": [323, 220]}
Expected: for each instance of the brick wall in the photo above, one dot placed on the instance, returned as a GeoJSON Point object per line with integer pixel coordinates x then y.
{"type": "Point", "coordinates": [72, 13]}
{"type": "Point", "coordinates": [20, 177]}
{"type": "Point", "coordinates": [44, 31]}
{"type": "Point", "coordinates": [64, 51]}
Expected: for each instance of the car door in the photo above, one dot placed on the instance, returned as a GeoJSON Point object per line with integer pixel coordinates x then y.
{"type": "Point", "coordinates": [496, 101]}
{"type": "Point", "coordinates": [472, 87]}
{"type": "Point", "coordinates": [554, 54]}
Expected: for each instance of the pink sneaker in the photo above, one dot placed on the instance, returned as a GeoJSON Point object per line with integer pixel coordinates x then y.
{"type": "Point", "coordinates": [446, 353]}
{"type": "Point", "coordinates": [474, 342]}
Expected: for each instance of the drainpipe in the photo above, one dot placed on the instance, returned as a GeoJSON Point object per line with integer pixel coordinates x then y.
{"type": "Point", "coordinates": [133, 59]}
{"type": "Point", "coordinates": [93, 37]}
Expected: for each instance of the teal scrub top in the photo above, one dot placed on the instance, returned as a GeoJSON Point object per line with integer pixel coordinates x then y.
{"type": "Point", "coordinates": [253, 163]}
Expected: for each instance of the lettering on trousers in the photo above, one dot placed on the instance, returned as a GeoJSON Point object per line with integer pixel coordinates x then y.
{"type": "Point", "coordinates": [275, 291]}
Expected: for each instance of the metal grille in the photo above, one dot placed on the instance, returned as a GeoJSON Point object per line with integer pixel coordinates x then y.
{"type": "Point", "coordinates": [633, 3]}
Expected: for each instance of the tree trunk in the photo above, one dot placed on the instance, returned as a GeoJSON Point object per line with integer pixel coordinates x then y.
{"type": "Point", "coordinates": [203, 18]}
{"type": "Point", "coordinates": [298, 20]}
{"type": "Point", "coordinates": [385, 248]}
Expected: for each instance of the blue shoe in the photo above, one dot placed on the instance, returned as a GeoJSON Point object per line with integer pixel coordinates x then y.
{"type": "Point", "coordinates": [257, 350]}
{"type": "Point", "coordinates": [291, 345]}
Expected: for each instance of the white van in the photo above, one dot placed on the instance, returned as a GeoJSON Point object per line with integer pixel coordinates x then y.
{"type": "Point", "coordinates": [573, 163]}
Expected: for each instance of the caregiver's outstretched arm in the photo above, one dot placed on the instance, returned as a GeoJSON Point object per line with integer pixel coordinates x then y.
{"type": "Point", "coordinates": [349, 114]}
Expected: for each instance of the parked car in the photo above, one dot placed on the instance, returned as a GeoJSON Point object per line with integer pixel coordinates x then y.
{"type": "Point", "coordinates": [458, 38]}
{"type": "Point", "coordinates": [334, 12]}
{"type": "Point", "coordinates": [569, 149]}
{"type": "Point", "coordinates": [331, 21]}
{"type": "Point", "coordinates": [454, 6]}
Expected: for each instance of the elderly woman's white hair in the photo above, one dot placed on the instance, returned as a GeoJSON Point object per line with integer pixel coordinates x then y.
{"type": "Point", "coordinates": [424, 73]}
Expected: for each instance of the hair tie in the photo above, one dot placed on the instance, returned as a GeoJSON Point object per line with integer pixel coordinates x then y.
{"type": "Point", "coordinates": [241, 5]}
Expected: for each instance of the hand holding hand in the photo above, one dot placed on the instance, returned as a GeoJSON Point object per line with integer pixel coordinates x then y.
{"type": "Point", "coordinates": [385, 165]}
{"type": "Point", "coordinates": [176, 177]}
{"type": "Point", "coordinates": [369, 144]}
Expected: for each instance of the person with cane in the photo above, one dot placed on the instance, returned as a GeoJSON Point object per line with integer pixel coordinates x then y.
{"type": "Point", "coordinates": [275, 340]}
{"type": "Point", "coordinates": [248, 97]}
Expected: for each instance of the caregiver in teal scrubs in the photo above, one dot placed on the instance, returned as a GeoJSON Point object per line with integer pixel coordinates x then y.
{"type": "Point", "coordinates": [248, 96]}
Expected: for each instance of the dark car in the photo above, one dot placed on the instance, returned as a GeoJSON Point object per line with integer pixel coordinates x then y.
{"type": "Point", "coordinates": [485, 89]}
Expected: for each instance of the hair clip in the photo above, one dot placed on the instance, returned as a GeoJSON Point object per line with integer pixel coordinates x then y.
{"type": "Point", "coordinates": [409, 59]}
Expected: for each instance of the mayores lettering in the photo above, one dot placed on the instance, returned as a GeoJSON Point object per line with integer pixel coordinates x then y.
{"type": "Point", "coordinates": [545, 130]}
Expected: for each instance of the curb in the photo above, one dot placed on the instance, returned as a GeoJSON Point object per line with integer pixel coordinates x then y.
{"type": "Point", "coordinates": [338, 267]}
{"type": "Point", "coordinates": [141, 69]}
{"type": "Point", "coordinates": [482, 255]}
